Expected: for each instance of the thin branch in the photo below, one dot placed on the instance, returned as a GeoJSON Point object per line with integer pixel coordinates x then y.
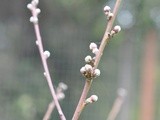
{"type": "Point", "coordinates": [48, 113]}
{"type": "Point", "coordinates": [34, 19]}
{"type": "Point", "coordinates": [106, 34]}
{"type": "Point", "coordinates": [60, 95]}
{"type": "Point", "coordinates": [117, 104]}
{"type": "Point", "coordinates": [80, 105]}
{"type": "Point", "coordinates": [98, 57]}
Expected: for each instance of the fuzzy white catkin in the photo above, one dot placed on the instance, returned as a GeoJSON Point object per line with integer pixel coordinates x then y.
{"type": "Point", "coordinates": [95, 51]}
{"type": "Point", "coordinates": [63, 86]}
{"type": "Point", "coordinates": [38, 11]}
{"type": "Point", "coordinates": [44, 74]}
{"type": "Point", "coordinates": [82, 70]}
{"type": "Point", "coordinates": [30, 6]}
{"type": "Point", "coordinates": [37, 43]}
{"type": "Point", "coordinates": [94, 98]}
{"type": "Point", "coordinates": [92, 46]}
{"type": "Point", "coordinates": [117, 28]}
{"type": "Point", "coordinates": [97, 72]}
{"type": "Point", "coordinates": [33, 19]}
{"type": "Point", "coordinates": [88, 67]}
{"type": "Point", "coordinates": [106, 8]}
{"type": "Point", "coordinates": [35, 2]}
{"type": "Point", "coordinates": [47, 54]}
{"type": "Point", "coordinates": [60, 96]}
{"type": "Point", "coordinates": [88, 59]}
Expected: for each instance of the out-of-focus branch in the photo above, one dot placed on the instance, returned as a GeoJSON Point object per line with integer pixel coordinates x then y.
{"type": "Point", "coordinates": [117, 104]}
{"type": "Point", "coordinates": [60, 95]}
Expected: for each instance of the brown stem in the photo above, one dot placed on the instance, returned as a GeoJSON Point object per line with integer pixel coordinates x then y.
{"type": "Point", "coordinates": [80, 105]}
{"type": "Point", "coordinates": [51, 107]}
{"type": "Point", "coordinates": [117, 104]}
{"type": "Point", "coordinates": [98, 57]}
{"type": "Point", "coordinates": [106, 34]}
{"type": "Point", "coordinates": [115, 109]}
{"type": "Point", "coordinates": [45, 66]}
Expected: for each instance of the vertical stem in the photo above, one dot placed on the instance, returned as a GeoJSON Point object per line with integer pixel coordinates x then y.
{"type": "Point", "coordinates": [47, 73]}
{"type": "Point", "coordinates": [51, 106]}
{"type": "Point", "coordinates": [116, 108]}
{"type": "Point", "coordinates": [106, 34]}
{"type": "Point", "coordinates": [98, 57]}
{"type": "Point", "coordinates": [82, 99]}
{"type": "Point", "coordinates": [45, 65]}
{"type": "Point", "coordinates": [117, 104]}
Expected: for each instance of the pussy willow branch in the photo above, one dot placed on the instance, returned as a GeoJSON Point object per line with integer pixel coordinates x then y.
{"type": "Point", "coordinates": [45, 66]}
{"type": "Point", "coordinates": [106, 34]}
{"type": "Point", "coordinates": [98, 57]}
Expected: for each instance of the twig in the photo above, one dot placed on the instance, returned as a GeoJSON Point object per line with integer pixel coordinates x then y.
{"type": "Point", "coordinates": [34, 19]}
{"type": "Point", "coordinates": [97, 59]}
{"type": "Point", "coordinates": [48, 113]}
{"type": "Point", "coordinates": [82, 99]}
{"type": "Point", "coordinates": [117, 104]}
{"type": "Point", "coordinates": [60, 95]}
{"type": "Point", "coordinates": [106, 34]}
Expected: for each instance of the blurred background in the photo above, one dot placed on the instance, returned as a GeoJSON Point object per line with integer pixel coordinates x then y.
{"type": "Point", "coordinates": [130, 60]}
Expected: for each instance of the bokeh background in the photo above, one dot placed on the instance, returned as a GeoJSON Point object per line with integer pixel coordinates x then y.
{"type": "Point", "coordinates": [130, 60]}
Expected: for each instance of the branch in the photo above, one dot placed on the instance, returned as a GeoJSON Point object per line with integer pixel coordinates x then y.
{"type": "Point", "coordinates": [117, 104]}
{"type": "Point", "coordinates": [44, 54]}
{"type": "Point", "coordinates": [60, 95]}
{"type": "Point", "coordinates": [89, 74]}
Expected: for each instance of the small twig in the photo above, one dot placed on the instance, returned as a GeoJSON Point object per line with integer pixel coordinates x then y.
{"type": "Point", "coordinates": [48, 113]}
{"type": "Point", "coordinates": [106, 34]}
{"type": "Point", "coordinates": [82, 99]}
{"type": "Point", "coordinates": [117, 104]}
{"type": "Point", "coordinates": [97, 59]}
{"type": "Point", "coordinates": [34, 19]}
{"type": "Point", "coordinates": [60, 95]}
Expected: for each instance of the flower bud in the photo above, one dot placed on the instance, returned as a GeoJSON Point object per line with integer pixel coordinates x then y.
{"type": "Point", "coordinates": [91, 99]}
{"type": "Point", "coordinates": [97, 72]}
{"type": "Point", "coordinates": [88, 59]}
{"type": "Point", "coordinates": [30, 6]}
{"type": "Point", "coordinates": [94, 98]}
{"type": "Point", "coordinates": [34, 20]}
{"type": "Point", "coordinates": [63, 86]}
{"type": "Point", "coordinates": [83, 70]}
{"type": "Point", "coordinates": [88, 67]}
{"type": "Point", "coordinates": [38, 11]}
{"type": "Point", "coordinates": [35, 2]}
{"type": "Point", "coordinates": [92, 46]}
{"type": "Point", "coordinates": [46, 54]}
{"type": "Point", "coordinates": [44, 74]}
{"type": "Point", "coordinates": [106, 10]}
{"type": "Point", "coordinates": [117, 28]}
{"type": "Point", "coordinates": [95, 51]}
{"type": "Point", "coordinates": [60, 96]}
{"type": "Point", "coordinates": [37, 43]}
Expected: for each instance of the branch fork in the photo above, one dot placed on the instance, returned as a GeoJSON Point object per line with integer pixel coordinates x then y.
{"type": "Point", "coordinates": [44, 54]}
